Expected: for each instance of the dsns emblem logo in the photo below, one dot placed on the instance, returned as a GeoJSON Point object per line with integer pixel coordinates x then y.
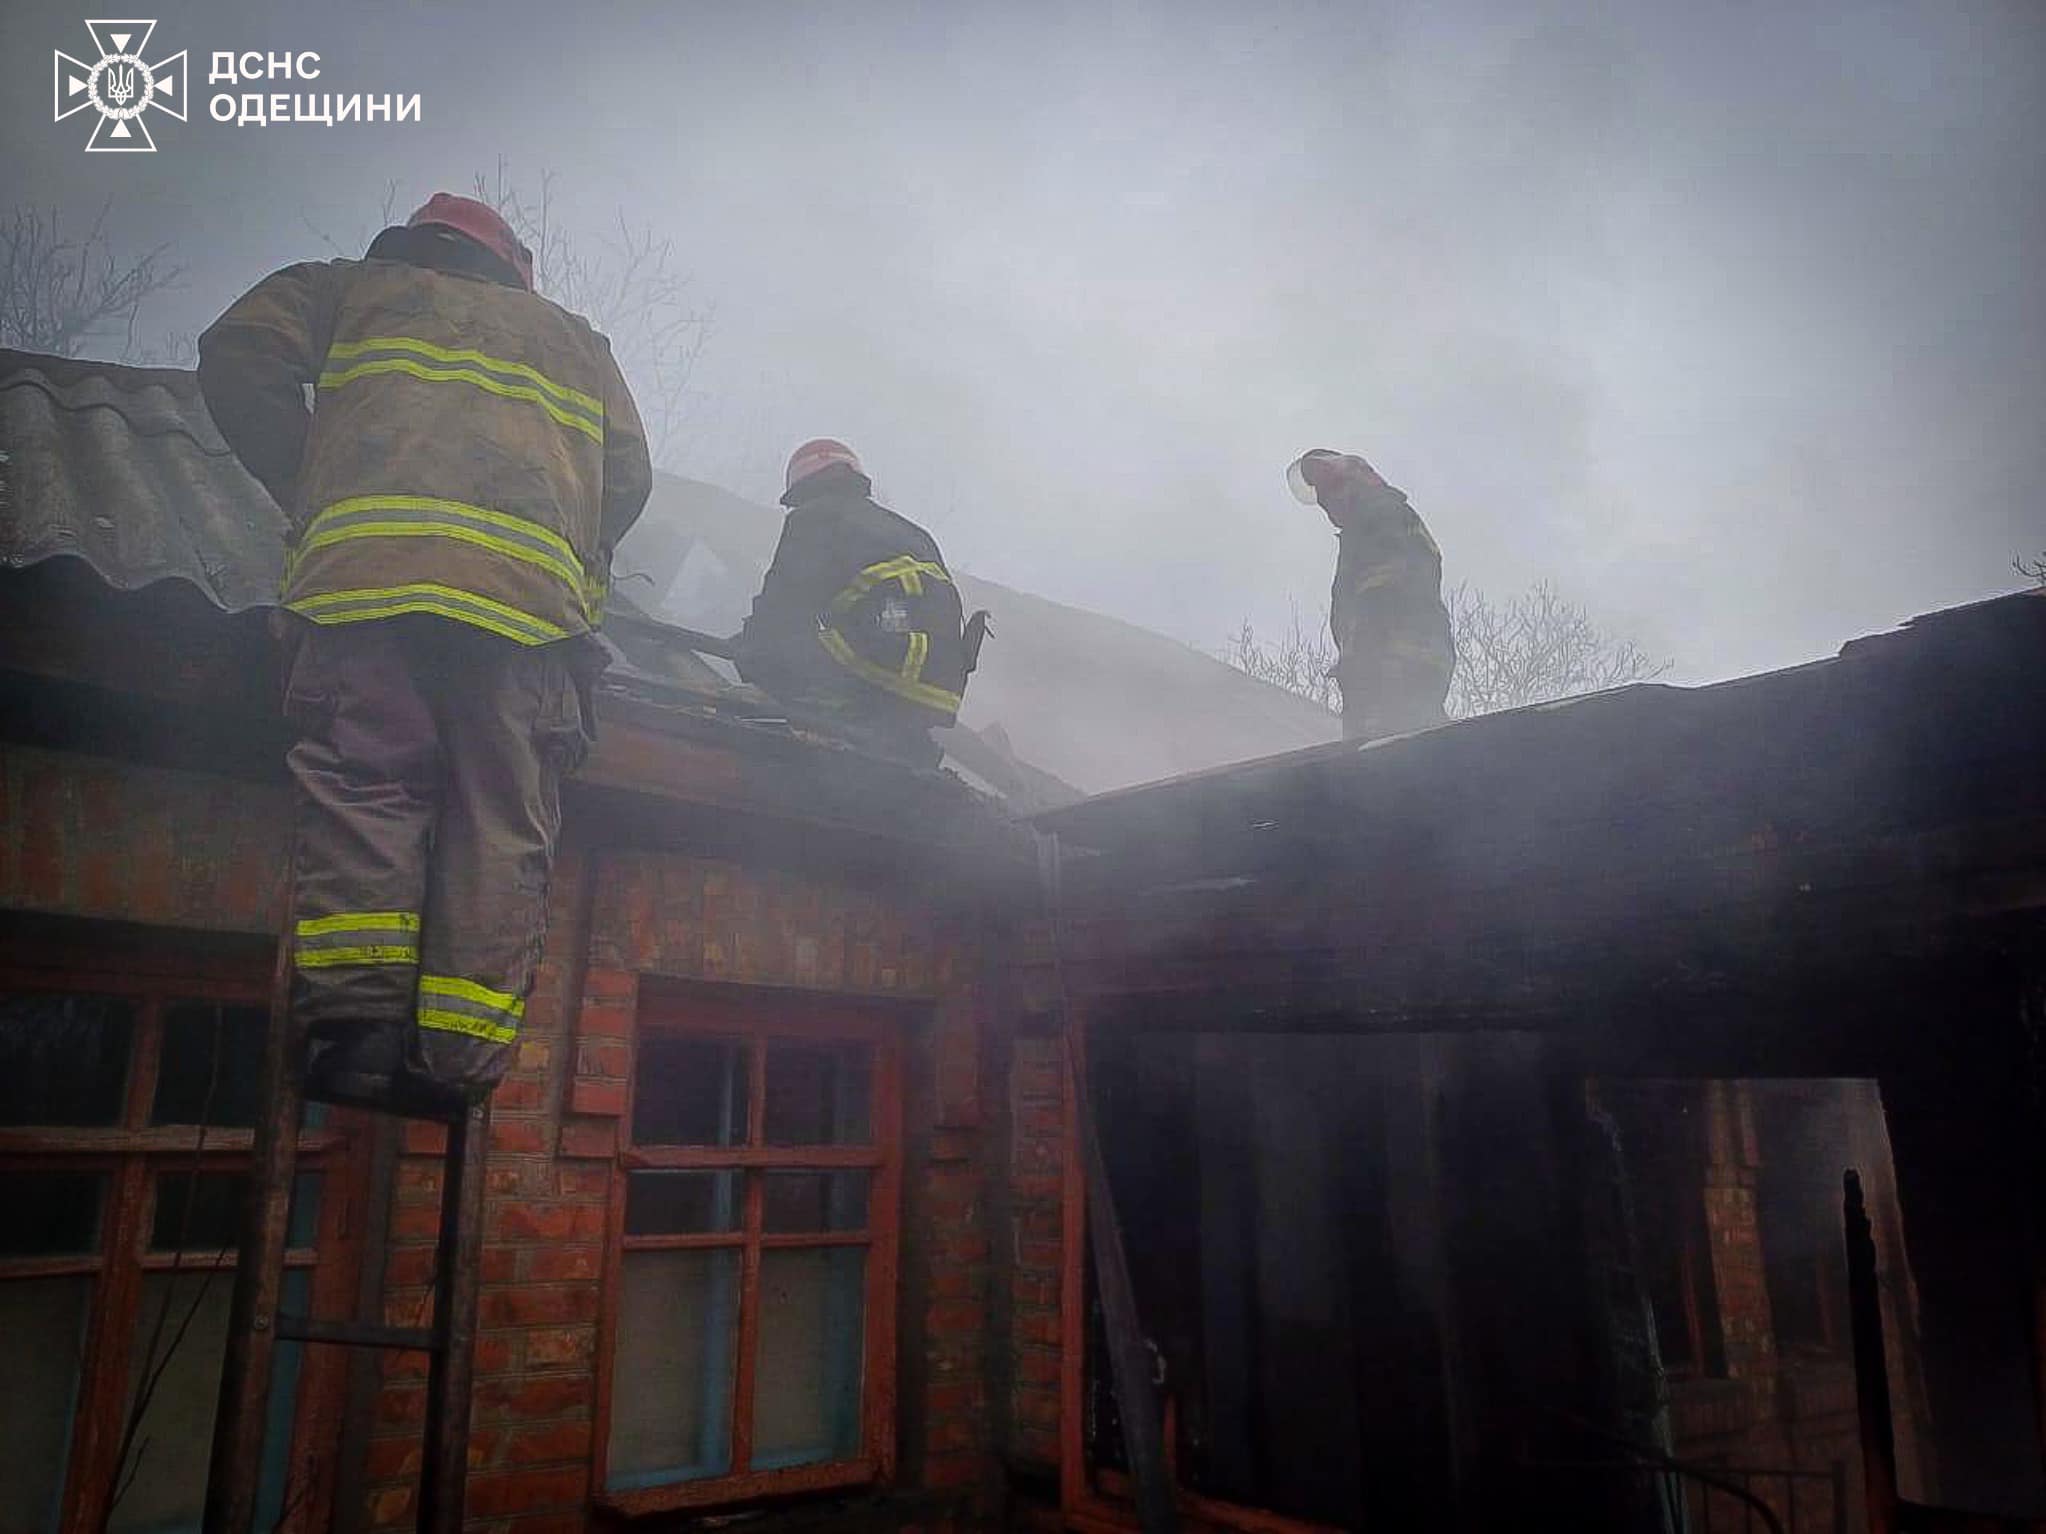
{"type": "Point", "coordinates": [120, 86]}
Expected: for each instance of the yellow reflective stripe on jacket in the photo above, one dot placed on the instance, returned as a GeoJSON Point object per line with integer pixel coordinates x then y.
{"type": "Point", "coordinates": [374, 602]}
{"type": "Point", "coordinates": [569, 407]}
{"type": "Point", "coordinates": [454, 1005]}
{"type": "Point", "coordinates": [425, 516]}
{"type": "Point", "coordinates": [905, 568]}
{"type": "Point", "coordinates": [357, 937]}
{"type": "Point", "coordinates": [347, 350]}
{"type": "Point", "coordinates": [899, 683]}
{"type": "Point", "coordinates": [914, 657]}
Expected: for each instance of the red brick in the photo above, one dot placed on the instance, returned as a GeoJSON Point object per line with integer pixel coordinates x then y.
{"type": "Point", "coordinates": [1045, 1256]}
{"type": "Point", "coordinates": [419, 1179]}
{"type": "Point", "coordinates": [601, 984]}
{"type": "Point", "coordinates": [533, 1400]}
{"type": "Point", "coordinates": [493, 1356]}
{"type": "Point", "coordinates": [519, 1094]}
{"type": "Point", "coordinates": [589, 1138]}
{"type": "Point", "coordinates": [952, 1470]}
{"type": "Point", "coordinates": [603, 1057]}
{"type": "Point", "coordinates": [574, 1263]}
{"type": "Point", "coordinates": [960, 1246]}
{"type": "Point", "coordinates": [948, 1433]}
{"type": "Point", "coordinates": [43, 838]}
{"type": "Point", "coordinates": [597, 1097]}
{"type": "Point", "coordinates": [953, 1318]}
{"type": "Point", "coordinates": [388, 1459]}
{"type": "Point", "coordinates": [1038, 1188]}
{"type": "Point", "coordinates": [583, 1182]}
{"type": "Point", "coordinates": [535, 1055]}
{"type": "Point", "coordinates": [524, 1306]}
{"type": "Point", "coordinates": [426, 1139]}
{"type": "Point", "coordinates": [604, 1020]}
{"type": "Point", "coordinates": [518, 1137]}
{"type": "Point", "coordinates": [544, 1445]}
{"type": "Point", "coordinates": [412, 1222]}
{"type": "Point", "coordinates": [396, 1405]}
{"type": "Point", "coordinates": [1041, 1288]}
{"type": "Point", "coordinates": [524, 1491]}
{"type": "Point", "coordinates": [391, 1507]}
{"type": "Point", "coordinates": [953, 1398]}
{"type": "Point", "coordinates": [409, 1267]}
{"type": "Point", "coordinates": [1036, 1408]}
{"type": "Point", "coordinates": [549, 1523]}
{"type": "Point", "coordinates": [1037, 1367]}
{"type": "Point", "coordinates": [1038, 1326]}
{"type": "Point", "coordinates": [531, 1220]}
{"type": "Point", "coordinates": [561, 1347]}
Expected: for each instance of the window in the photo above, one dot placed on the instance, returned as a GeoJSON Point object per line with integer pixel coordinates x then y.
{"type": "Point", "coordinates": [119, 1215]}
{"type": "Point", "coordinates": [751, 1346]}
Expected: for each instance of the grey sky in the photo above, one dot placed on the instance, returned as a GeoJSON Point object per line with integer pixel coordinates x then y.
{"type": "Point", "coordinates": [1726, 317]}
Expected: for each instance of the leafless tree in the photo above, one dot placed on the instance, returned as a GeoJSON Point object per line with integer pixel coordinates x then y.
{"type": "Point", "coordinates": [1532, 648]}
{"type": "Point", "coordinates": [630, 287]}
{"type": "Point", "coordinates": [64, 293]}
{"type": "Point", "coordinates": [1301, 660]}
{"type": "Point", "coordinates": [2033, 570]}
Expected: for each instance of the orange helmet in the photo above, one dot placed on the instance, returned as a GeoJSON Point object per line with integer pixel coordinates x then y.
{"type": "Point", "coordinates": [817, 454]}
{"type": "Point", "coordinates": [481, 223]}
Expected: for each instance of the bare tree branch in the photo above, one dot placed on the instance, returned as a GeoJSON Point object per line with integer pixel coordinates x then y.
{"type": "Point", "coordinates": [1532, 648]}
{"type": "Point", "coordinates": [62, 293]}
{"type": "Point", "coordinates": [630, 288]}
{"type": "Point", "coordinates": [2033, 570]}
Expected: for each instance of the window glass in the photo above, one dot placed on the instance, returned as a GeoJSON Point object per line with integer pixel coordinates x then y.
{"type": "Point", "coordinates": [793, 1203]}
{"type": "Point", "coordinates": [43, 1320]}
{"type": "Point", "coordinates": [204, 1213]}
{"type": "Point", "coordinates": [689, 1091]}
{"type": "Point", "coordinates": [212, 1065]}
{"type": "Point", "coordinates": [819, 1094]}
{"type": "Point", "coordinates": [671, 1391]}
{"type": "Point", "coordinates": [681, 1203]}
{"type": "Point", "coordinates": [806, 1406]}
{"type": "Point", "coordinates": [50, 1214]}
{"type": "Point", "coordinates": [63, 1059]}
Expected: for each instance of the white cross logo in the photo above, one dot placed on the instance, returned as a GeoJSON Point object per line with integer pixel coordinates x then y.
{"type": "Point", "coordinates": [120, 86]}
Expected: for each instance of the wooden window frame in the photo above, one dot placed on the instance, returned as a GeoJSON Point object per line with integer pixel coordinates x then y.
{"type": "Point", "coordinates": [1102, 1501]}
{"type": "Point", "coordinates": [132, 1155]}
{"type": "Point", "coordinates": [757, 1021]}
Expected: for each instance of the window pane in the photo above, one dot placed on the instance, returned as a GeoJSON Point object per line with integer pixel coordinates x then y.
{"type": "Point", "coordinates": [806, 1406]}
{"type": "Point", "coordinates": [63, 1059]}
{"type": "Point", "coordinates": [671, 1391]}
{"type": "Point", "coordinates": [168, 1489]}
{"type": "Point", "coordinates": [681, 1203]}
{"type": "Point", "coordinates": [43, 1320]}
{"type": "Point", "coordinates": [50, 1214]}
{"type": "Point", "coordinates": [205, 1214]}
{"type": "Point", "coordinates": [817, 1094]}
{"type": "Point", "coordinates": [209, 1051]}
{"type": "Point", "coordinates": [794, 1202]}
{"type": "Point", "coordinates": [689, 1091]}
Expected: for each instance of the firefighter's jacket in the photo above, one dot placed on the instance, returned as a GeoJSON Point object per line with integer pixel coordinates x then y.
{"type": "Point", "coordinates": [857, 611]}
{"type": "Point", "coordinates": [473, 452]}
{"type": "Point", "coordinates": [1392, 632]}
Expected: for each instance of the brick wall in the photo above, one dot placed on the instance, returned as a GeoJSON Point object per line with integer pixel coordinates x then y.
{"type": "Point", "coordinates": [616, 919]}
{"type": "Point", "coordinates": [1037, 1149]}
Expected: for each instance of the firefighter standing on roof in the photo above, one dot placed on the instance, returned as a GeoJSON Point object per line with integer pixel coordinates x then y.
{"type": "Point", "coordinates": [858, 617]}
{"type": "Point", "coordinates": [472, 459]}
{"type": "Point", "coordinates": [1395, 652]}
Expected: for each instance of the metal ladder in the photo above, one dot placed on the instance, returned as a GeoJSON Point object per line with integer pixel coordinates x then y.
{"type": "Point", "coordinates": [255, 1325]}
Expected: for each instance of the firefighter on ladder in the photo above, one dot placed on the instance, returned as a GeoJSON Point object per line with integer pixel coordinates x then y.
{"type": "Point", "coordinates": [1394, 649]}
{"type": "Point", "coordinates": [858, 618]}
{"type": "Point", "coordinates": [472, 458]}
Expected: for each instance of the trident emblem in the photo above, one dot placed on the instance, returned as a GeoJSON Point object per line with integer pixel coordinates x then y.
{"type": "Point", "coordinates": [121, 85]}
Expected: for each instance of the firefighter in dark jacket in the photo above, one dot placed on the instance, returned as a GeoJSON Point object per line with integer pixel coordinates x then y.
{"type": "Point", "coordinates": [858, 619]}
{"type": "Point", "coordinates": [472, 459]}
{"type": "Point", "coordinates": [1394, 649]}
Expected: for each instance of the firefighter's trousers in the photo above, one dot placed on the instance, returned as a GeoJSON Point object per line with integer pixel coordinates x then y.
{"type": "Point", "coordinates": [427, 769]}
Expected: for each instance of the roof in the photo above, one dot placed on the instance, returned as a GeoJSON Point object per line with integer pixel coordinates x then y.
{"type": "Point", "coordinates": [1825, 831]}
{"type": "Point", "coordinates": [1099, 702]}
{"type": "Point", "coordinates": [123, 468]}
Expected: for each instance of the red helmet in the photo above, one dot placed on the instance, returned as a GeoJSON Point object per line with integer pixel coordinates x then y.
{"type": "Point", "coordinates": [481, 223]}
{"type": "Point", "coordinates": [820, 453]}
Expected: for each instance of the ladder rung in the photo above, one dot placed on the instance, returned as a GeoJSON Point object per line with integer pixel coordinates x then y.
{"type": "Point", "coordinates": [357, 1334]}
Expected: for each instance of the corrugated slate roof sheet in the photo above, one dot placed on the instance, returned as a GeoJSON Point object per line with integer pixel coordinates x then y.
{"type": "Point", "coordinates": [124, 468]}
